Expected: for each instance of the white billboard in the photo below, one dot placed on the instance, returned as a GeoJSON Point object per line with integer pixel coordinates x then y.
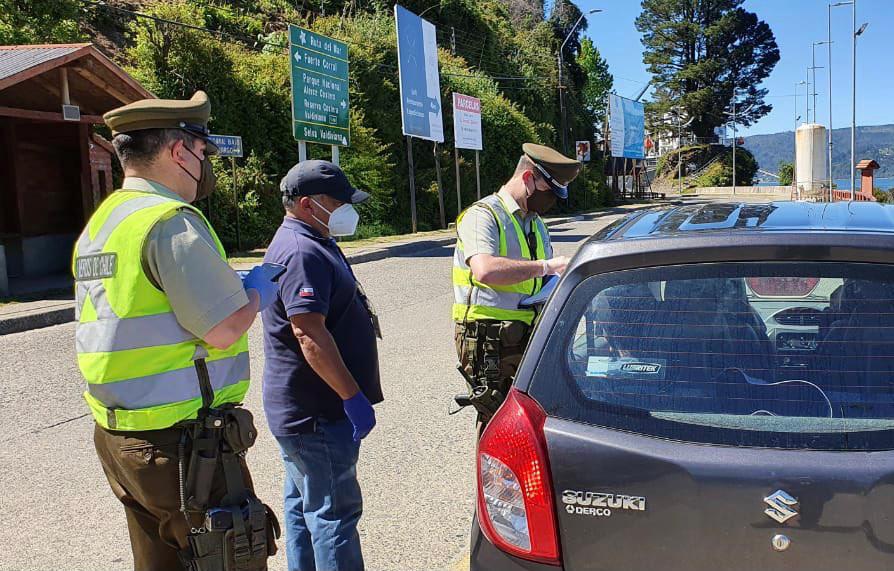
{"type": "Point", "coordinates": [628, 127]}
{"type": "Point", "coordinates": [467, 122]}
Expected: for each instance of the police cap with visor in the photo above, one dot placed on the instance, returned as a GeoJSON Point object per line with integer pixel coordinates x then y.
{"type": "Point", "coordinates": [190, 115]}
{"type": "Point", "coordinates": [554, 167]}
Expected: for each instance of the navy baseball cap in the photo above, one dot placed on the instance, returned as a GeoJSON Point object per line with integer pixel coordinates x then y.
{"type": "Point", "coordinates": [310, 178]}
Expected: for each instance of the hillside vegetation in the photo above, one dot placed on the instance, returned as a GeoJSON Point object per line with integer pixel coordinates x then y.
{"type": "Point", "coordinates": [502, 51]}
{"type": "Point", "coordinates": [706, 165]}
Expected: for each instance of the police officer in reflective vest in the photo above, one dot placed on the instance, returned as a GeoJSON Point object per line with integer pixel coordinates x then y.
{"type": "Point", "coordinates": [503, 253]}
{"type": "Point", "coordinates": [161, 343]}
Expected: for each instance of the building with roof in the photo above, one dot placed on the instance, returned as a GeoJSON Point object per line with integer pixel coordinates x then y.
{"type": "Point", "coordinates": [54, 171]}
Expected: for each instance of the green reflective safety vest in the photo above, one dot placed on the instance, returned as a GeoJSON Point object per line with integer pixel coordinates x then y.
{"type": "Point", "coordinates": [136, 358]}
{"type": "Point", "coordinates": [474, 300]}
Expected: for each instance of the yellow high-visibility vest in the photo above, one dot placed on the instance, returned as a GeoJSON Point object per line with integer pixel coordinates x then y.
{"type": "Point", "coordinates": [138, 361]}
{"type": "Point", "coordinates": [473, 300]}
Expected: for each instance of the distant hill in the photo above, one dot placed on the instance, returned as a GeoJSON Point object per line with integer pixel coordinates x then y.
{"type": "Point", "coordinates": [872, 143]}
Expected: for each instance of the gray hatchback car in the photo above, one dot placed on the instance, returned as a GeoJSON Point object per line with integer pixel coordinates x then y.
{"type": "Point", "coordinates": [710, 387]}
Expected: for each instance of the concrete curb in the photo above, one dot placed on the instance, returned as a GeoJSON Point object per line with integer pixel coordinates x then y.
{"type": "Point", "coordinates": [59, 315]}
{"type": "Point", "coordinates": [36, 319]}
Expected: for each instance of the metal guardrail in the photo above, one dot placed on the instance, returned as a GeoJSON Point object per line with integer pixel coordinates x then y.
{"type": "Point", "coordinates": [845, 195]}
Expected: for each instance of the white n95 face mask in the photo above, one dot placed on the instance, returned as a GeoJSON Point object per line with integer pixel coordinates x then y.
{"type": "Point", "coordinates": [342, 221]}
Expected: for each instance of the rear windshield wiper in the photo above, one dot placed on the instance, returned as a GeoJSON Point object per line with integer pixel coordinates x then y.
{"type": "Point", "coordinates": [764, 383]}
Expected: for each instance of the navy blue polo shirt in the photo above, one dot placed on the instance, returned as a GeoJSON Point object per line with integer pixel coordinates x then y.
{"type": "Point", "coordinates": [318, 279]}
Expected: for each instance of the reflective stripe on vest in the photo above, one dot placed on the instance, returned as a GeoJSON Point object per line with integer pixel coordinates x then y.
{"type": "Point", "coordinates": [137, 359]}
{"type": "Point", "coordinates": [474, 300]}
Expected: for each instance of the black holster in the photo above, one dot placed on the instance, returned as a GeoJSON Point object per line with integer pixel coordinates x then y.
{"type": "Point", "coordinates": [238, 532]}
{"type": "Point", "coordinates": [484, 342]}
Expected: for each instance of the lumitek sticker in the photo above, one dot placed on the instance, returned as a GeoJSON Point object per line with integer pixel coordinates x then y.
{"type": "Point", "coordinates": [625, 367]}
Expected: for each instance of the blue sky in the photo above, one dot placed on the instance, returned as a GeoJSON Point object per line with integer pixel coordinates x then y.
{"type": "Point", "coordinates": [796, 24]}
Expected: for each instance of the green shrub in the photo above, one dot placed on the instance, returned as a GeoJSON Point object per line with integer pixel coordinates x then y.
{"type": "Point", "coordinates": [883, 196]}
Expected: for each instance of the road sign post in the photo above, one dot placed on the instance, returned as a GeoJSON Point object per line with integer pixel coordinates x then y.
{"type": "Point", "coordinates": [478, 174]}
{"type": "Point", "coordinates": [320, 100]}
{"type": "Point", "coordinates": [459, 194]}
{"type": "Point", "coordinates": [412, 183]}
{"type": "Point", "coordinates": [440, 189]}
{"type": "Point", "coordinates": [231, 146]}
{"type": "Point", "coordinates": [236, 198]}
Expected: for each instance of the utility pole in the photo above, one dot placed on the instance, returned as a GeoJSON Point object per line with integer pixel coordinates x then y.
{"type": "Point", "coordinates": [562, 106]}
{"type": "Point", "coordinates": [562, 109]}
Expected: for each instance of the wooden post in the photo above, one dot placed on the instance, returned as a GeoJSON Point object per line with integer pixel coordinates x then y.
{"type": "Point", "coordinates": [459, 195]}
{"type": "Point", "coordinates": [614, 170]}
{"type": "Point", "coordinates": [86, 183]}
{"type": "Point", "coordinates": [440, 188]}
{"type": "Point", "coordinates": [412, 183]}
{"type": "Point", "coordinates": [478, 173]}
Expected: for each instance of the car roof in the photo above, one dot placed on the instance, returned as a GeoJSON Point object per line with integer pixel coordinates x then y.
{"type": "Point", "coordinates": [743, 218]}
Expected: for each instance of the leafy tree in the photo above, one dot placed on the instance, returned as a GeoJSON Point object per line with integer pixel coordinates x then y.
{"type": "Point", "coordinates": [786, 173]}
{"type": "Point", "coordinates": [39, 22]}
{"type": "Point", "coordinates": [599, 80]}
{"type": "Point", "coordinates": [702, 54]}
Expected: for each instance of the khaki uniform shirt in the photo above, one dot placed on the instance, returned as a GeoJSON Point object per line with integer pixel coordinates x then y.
{"type": "Point", "coordinates": [181, 259]}
{"type": "Point", "coordinates": [480, 233]}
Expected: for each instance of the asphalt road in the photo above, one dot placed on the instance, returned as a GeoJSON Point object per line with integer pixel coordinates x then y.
{"type": "Point", "coordinates": [416, 468]}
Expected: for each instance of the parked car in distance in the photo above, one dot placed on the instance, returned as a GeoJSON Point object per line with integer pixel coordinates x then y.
{"type": "Point", "coordinates": [709, 387]}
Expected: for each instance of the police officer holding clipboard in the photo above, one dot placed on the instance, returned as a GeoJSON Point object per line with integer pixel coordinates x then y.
{"type": "Point", "coordinates": [502, 258]}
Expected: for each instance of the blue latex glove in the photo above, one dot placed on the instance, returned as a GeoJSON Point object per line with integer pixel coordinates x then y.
{"type": "Point", "coordinates": [361, 414]}
{"type": "Point", "coordinates": [258, 281]}
{"type": "Point", "coordinates": [242, 274]}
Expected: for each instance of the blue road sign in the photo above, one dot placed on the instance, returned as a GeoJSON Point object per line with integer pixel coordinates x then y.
{"type": "Point", "coordinates": [229, 145]}
{"type": "Point", "coordinates": [420, 83]}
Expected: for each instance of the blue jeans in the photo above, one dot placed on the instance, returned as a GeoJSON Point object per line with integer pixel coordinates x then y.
{"type": "Point", "coordinates": [322, 498]}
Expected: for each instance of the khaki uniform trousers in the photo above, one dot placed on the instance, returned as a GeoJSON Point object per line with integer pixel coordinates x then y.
{"type": "Point", "coordinates": [143, 470]}
{"type": "Point", "coordinates": [470, 349]}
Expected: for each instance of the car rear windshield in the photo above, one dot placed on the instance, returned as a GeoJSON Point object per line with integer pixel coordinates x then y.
{"type": "Point", "coordinates": [785, 355]}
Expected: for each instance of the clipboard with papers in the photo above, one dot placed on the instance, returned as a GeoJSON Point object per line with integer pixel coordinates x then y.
{"type": "Point", "coordinates": [539, 298]}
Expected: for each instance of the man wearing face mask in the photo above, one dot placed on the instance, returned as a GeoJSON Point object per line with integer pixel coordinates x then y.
{"type": "Point", "coordinates": [161, 327]}
{"type": "Point", "coordinates": [321, 374]}
{"type": "Point", "coordinates": [503, 254]}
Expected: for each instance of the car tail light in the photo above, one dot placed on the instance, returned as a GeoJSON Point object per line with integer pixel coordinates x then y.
{"type": "Point", "coordinates": [782, 287]}
{"type": "Point", "coordinates": [515, 502]}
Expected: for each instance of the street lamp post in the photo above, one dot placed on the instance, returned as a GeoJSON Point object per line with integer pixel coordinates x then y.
{"type": "Point", "coordinates": [814, 67]}
{"type": "Point", "coordinates": [795, 155]}
{"type": "Point", "coordinates": [561, 87]}
{"type": "Point", "coordinates": [856, 33]}
{"type": "Point", "coordinates": [735, 133]}
{"type": "Point", "coordinates": [680, 127]}
{"type": "Point", "coordinates": [829, 45]}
